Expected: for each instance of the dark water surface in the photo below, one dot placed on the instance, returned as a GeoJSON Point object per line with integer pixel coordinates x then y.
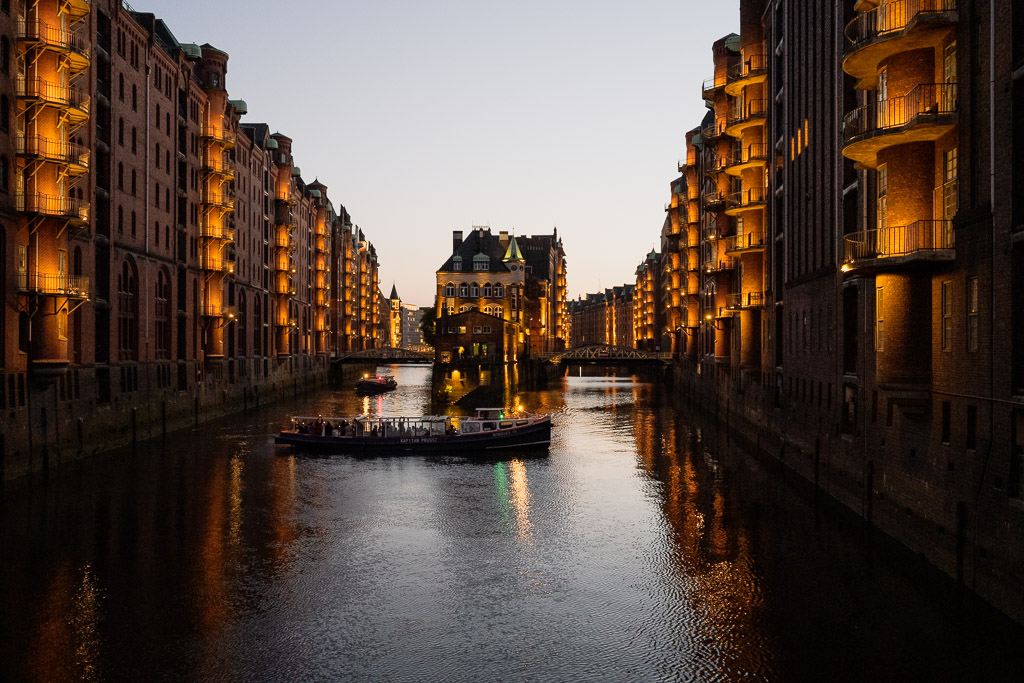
{"type": "Point", "coordinates": [645, 546]}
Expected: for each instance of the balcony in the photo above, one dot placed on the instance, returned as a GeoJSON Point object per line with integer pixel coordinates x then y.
{"type": "Point", "coordinates": [712, 131]}
{"type": "Point", "coordinates": [53, 206]}
{"type": "Point", "coordinates": [715, 163]}
{"type": "Point", "coordinates": [72, 44]}
{"type": "Point", "coordinates": [752, 69]}
{"type": "Point", "coordinates": [220, 169]}
{"type": "Point", "coordinates": [217, 311]}
{"type": "Point", "coordinates": [321, 244]}
{"type": "Point", "coordinates": [745, 200]}
{"type": "Point", "coordinates": [687, 163]}
{"type": "Point", "coordinates": [220, 135]}
{"type": "Point", "coordinates": [752, 156]}
{"type": "Point", "coordinates": [750, 241]}
{"type": "Point", "coordinates": [53, 284]}
{"type": "Point", "coordinates": [220, 200]}
{"type": "Point", "coordinates": [75, 156]}
{"type": "Point", "coordinates": [74, 101]}
{"type": "Point", "coordinates": [752, 113]}
{"type": "Point", "coordinates": [719, 265]}
{"type": "Point", "coordinates": [924, 114]}
{"type": "Point", "coordinates": [925, 241]}
{"type": "Point", "coordinates": [217, 232]}
{"type": "Point", "coordinates": [745, 300]}
{"type": "Point", "coordinates": [283, 214]}
{"type": "Point", "coordinates": [713, 85]}
{"type": "Point", "coordinates": [217, 263]}
{"type": "Point", "coordinates": [893, 27]}
{"type": "Point", "coordinates": [284, 242]}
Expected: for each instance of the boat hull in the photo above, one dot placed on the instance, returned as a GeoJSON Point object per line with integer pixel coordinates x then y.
{"type": "Point", "coordinates": [536, 435]}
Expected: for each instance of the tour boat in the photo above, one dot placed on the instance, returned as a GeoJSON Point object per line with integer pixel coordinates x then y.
{"type": "Point", "coordinates": [377, 384]}
{"type": "Point", "coordinates": [489, 430]}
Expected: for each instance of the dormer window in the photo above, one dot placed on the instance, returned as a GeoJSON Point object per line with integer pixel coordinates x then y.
{"type": "Point", "coordinates": [481, 265]}
{"type": "Point", "coordinates": [456, 263]}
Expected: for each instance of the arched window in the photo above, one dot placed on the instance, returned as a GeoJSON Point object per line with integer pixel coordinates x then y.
{"type": "Point", "coordinates": [5, 113]}
{"type": "Point", "coordinates": [5, 182]}
{"type": "Point", "coordinates": [134, 137]}
{"type": "Point", "coordinates": [134, 184]}
{"type": "Point", "coordinates": [156, 233]}
{"type": "Point", "coordinates": [135, 98]}
{"type": "Point", "coordinates": [474, 291]}
{"type": "Point", "coordinates": [463, 289]}
{"type": "Point", "coordinates": [120, 220]}
{"type": "Point", "coordinates": [489, 310]}
{"type": "Point", "coordinates": [463, 309]}
{"type": "Point", "coordinates": [499, 292]}
{"type": "Point", "coordinates": [5, 55]}
{"type": "Point", "coordinates": [257, 317]}
{"type": "Point", "coordinates": [449, 290]}
{"type": "Point", "coordinates": [158, 160]}
{"type": "Point", "coordinates": [120, 87]}
{"type": "Point", "coordinates": [120, 132]}
{"type": "Point", "coordinates": [499, 311]}
{"type": "Point", "coordinates": [133, 224]}
{"type": "Point", "coordinates": [487, 290]}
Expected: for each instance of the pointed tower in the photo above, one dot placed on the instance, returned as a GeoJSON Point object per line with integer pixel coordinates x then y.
{"type": "Point", "coordinates": [396, 317]}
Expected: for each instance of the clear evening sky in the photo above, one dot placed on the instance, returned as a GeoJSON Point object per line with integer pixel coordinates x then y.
{"type": "Point", "coordinates": [427, 117]}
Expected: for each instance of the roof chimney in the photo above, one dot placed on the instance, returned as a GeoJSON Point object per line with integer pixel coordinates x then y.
{"type": "Point", "coordinates": [503, 237]}
{"type": "Point", "coordinates": [456, 240]}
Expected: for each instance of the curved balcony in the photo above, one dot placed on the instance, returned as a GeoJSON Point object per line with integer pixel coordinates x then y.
{"type": "Point", "coordinates": [747, 242]}
{"type": "Point", "coordinates": [744, 300]}
{"type": "Point", "coordinates": [719, 265]}
{"type": "Point", "coordinates": [926, 113]}
{"type": "Point", "coordinates": [53, 284]}
{"type": "Point", "coordinates": [283, 286]}
{"type": "Point", "coordinates": [893, 27]}
{"type": "Point", "coordinates": [72, 44]}
{"type": "Point", "coordinates": [712, 131]}
{"type": "Point", "coordinates": [752, 69]}
{"type": "Point", "coordinates": [686, 164]}
{"type": "Point", "coordinates": [53, 206]}
{"type": "Point", "coordinates": [283, 242]}
{"type": "Point", "coordinates": [222, 170]}
{"type": "Point", "coordinates": [926, 241]}
{"type": "Point", "coordinates": [217, 311]}
{"type": "Point", "coordinates": [713, 85]}
{"type": "Point", "coordinates": [751, 156]}
{"type": "Point", "coordinates": [283, 215]}
{"type": "Point", "coordinates": [220, 135]}
{"type": "Point", "coordinates": [76, 9]}
{"type": "Point", "coordinates": [752, 113]}
{"type": "Point", "coordinates": [217, 263]}
{"type": "Point", "coordinates": [73, 101]}
{"type": "Point", "coordinates": [75, 156]}
{"type": "Point", "coordinates": [321, 244]}
{"type": "Point", "coordinates": [745, 200]}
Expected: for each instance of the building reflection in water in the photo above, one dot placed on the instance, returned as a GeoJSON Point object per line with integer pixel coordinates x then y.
{"type": "Point", "coordinates": [710, 552]}
{"type": "Point", "coordinates": [84, 621]}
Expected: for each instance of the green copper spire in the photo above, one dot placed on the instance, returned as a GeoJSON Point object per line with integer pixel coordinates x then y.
{"type": "Point", "coordinates": [513, 253]}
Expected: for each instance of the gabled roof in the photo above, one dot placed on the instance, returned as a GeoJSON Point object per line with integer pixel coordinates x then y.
{"type": "Point", "coordinates": [478, 241]}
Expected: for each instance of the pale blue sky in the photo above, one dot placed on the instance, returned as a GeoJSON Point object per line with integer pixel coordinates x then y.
{"type": "Point", "coordinates": [427, 117]}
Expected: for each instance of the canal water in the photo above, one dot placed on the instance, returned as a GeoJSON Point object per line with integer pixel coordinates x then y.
{"type": "Point", "coordinates": [645, 546]}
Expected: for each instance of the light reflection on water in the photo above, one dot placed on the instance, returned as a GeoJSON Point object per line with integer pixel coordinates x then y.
{"type": "Point", "coordinates": [641, 547]}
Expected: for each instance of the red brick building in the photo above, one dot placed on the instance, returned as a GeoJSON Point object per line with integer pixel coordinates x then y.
{"type": "Point", "coordinates": [159, 258]}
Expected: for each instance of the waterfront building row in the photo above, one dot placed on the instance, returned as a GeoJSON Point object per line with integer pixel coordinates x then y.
{"type": "Point", "coordinates": [157, 253]}
{"type": "Point", "coordinates": [842, 259]}
{"type": "Point", "coordinates": [605, 318]}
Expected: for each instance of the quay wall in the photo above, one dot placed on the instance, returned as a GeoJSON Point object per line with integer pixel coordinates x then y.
{"type": "Point", "coordinates": [950, 527]}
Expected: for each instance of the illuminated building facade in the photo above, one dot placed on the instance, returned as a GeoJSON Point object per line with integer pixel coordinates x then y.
{"type": "Point", "coordinates": [648, 312]}
{"type": "Point", "coordinates": [158, 257]}
{"type": "Point", "coordinates": [859, 263]}
{"type": "Point", "coordinates": [605, 318]}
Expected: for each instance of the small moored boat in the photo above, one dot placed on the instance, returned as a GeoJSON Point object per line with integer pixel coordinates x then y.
{"type": "Point", "coordinates": [490, 429]}
{"type": "Point", "coordinates": [376, 384]}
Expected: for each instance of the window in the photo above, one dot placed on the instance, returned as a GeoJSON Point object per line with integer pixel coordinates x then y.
{"type": "Point", "coordinates": [456, 263]}
{"type": "Point", "coordinates": [134, 137]}
{"type": "Point", "coordinates": [947, 316]}
{"type": "Point", "coordinates": [5, 182]}
{"type": "Point", "coordinates": [135, 98]}
{"type": "Point", "coordinates": [474, 291]}
{"type": "Point", "coordinates": [120, 176]}
{"type": "Point", "coordinates": [883, 100]}
{"type": "Point", "coordinates": [487, 290]}
{"type": "Point", "coordinates": [5, 55]}
{"type": "Point", "coordinates": [120, 132]}
{"type": "Point", "coordinates": [879, 319]}
{"type": "Point", "coordinates": [481, 265]}
{"type": "Point", "coordinates": [134, 184]}
{"type": "Point", "coordinates": [972, 314]}
{"type": "Point", "coordinates": [449, 290]}
{"type": "Point", "coordinates": [499, 312]}
{"type": "Point", "coordinates": [948, 192]}
{"type": "Point", "coordinates": [463, 289]}
{"type": "Point", "coordinates": [120, 87]}
{"type": "Point", "coordinates": [477, 329]}
{"type": "Point", "coordinates": [882, 191]}
{"type": "Point", "coordinates": [499, 292]}
{"type": "Point", "coordinates": [487, 329]}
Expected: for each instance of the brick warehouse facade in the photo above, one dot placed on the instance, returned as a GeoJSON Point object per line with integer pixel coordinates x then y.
{"type": "Point", "coordinates": [841, 268]}
{"type": "Point", "coordinates": [159, 258]}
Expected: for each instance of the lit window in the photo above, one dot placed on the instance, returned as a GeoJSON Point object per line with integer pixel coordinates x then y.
{"type": "Point", "coordinates": [972, 314]}
{"type": "Point", "coordinates": [947, 315]}
{"type": "Point", "coordinates": [882, 191]}
{"type": "Point", "coordinates": [879, 319]}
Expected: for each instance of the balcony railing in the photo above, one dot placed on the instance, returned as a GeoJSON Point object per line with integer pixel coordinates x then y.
{"type": "Point", "coordinates": [219, 168]}
{"type": "Point", "coordinates": [744, 242]}
{"type": "Point", "coordinates": [720, 264]}
{"type": "Point", "coordinates": [282, 242]}
{"type": "Point", "coordinates": [892, 17]}
{"type": "Point", "coordinates": [712, 131]}
{"type": "Point", "coordinates": [751, 109]}
{"type": "Point", "coordinates": [924, 238]}
{"type": "Point", "coordinates": [53, 205]}
{"type": "Point", "coordinates": [711, 85]}
{"type": "Point", "coordinates": [217, 232]}
{"type": "Point", "coordinates": [223, 200]}
{"type": "Point", "coordinates": [750, 65]}
{"type": "Point", "coordinates": [53, 93]}
{"type": "Point", "coordinates": [745, 198]}
{"type": "Point", "coordinates": [926, 103]}
{"type": "Point", "coordinates": [750, 153]}
{"type": "Point", "coordinates": [53, 150]}
{"type": "Point", "coordinates": [738, 301]}
{"type": "Point", "coordinates": [715, 163]}
{"type": "Point", "coordinates": [215, 262]}
{"type": "Point", "coordinates": [222, 135]}
{"type": "Point", "coordinates": [73, 41]}
{"type": "Point", "coordinates": [53, 284]}
{"type": "Point", "coordinates": [217, 311]}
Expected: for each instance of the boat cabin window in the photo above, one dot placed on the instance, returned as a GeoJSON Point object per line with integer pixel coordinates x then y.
{"type": "Point", "coordinates": [506, 424]}
{"type": "Point", "coordinates": [490, 426]}
{"type": "Point", "coordinates": [470, 427]}
{"type": "Point", "coordinates": [520, 423]}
